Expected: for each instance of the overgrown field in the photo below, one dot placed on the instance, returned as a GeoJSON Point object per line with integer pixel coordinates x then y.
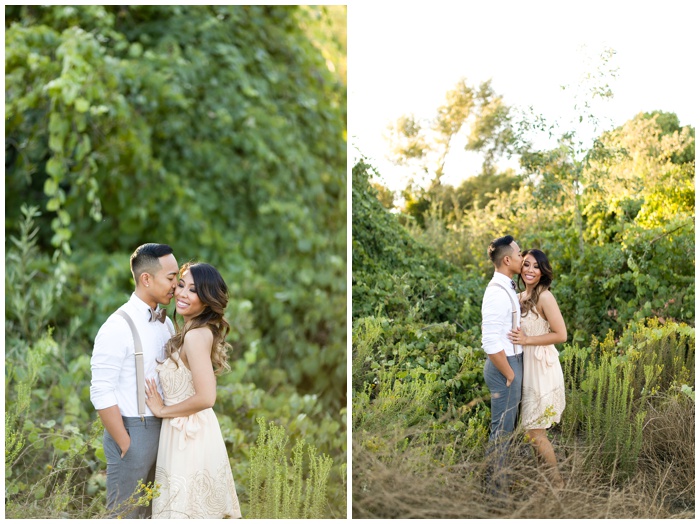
{"type": "Point", "coordinates": [420, 406]}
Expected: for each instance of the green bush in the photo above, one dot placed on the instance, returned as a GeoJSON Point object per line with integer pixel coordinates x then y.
{"type": "Point", "coordinates": [394, 275]}
{"type": "Point", "coordinates": [221, 129]}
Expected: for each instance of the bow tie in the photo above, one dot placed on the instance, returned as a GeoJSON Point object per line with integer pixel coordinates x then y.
{"type": "Point", "coordinates": [158, 314]}
{"type": "Point", "coordinates": [512, 284]}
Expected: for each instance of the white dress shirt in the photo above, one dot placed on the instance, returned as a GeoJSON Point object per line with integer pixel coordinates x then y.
{"type": "Point", "coordinates": [497, 319]}
{"type": "Point", "coordinates": [113, 365]}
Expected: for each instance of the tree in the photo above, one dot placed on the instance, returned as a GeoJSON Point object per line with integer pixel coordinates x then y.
{"type": "Point", "coordinates": [560, 175]}
{"type": "Point", "coordinates": [480, 116]}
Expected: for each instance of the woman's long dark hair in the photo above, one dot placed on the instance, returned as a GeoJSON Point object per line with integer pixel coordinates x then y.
{"type": "Point", "coordinates": [544, 283]}
{"type": "Point", "coordinates": [213, 293]}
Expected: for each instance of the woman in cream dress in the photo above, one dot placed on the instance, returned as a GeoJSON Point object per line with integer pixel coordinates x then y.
{"type": "Point", "coordinates": [193, 470]}
{"type": "Point", "coordinates": [541, 327]}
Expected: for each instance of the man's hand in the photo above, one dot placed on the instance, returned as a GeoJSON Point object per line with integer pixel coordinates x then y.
{"type": "Point", "coordinates": [112, 421]}
{"type": "Point", "coordinates": [125, 445]}
{"type": "Point", "coordinates": [501, 362]}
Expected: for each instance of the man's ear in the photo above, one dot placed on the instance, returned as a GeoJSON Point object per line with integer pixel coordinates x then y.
{"type": "Point", "coordinates": [145, 279]}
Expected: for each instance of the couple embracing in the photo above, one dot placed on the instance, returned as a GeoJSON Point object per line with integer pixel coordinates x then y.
{"type": "Point", "coordinates": [522, 370]}
{"type": "Point", "coordinates": [154, 386]}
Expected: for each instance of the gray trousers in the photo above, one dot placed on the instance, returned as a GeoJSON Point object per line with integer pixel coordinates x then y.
{"type": "Point", "coordinates": [139, 464]}
{"type": "Point", "coordinates": [505, 402]}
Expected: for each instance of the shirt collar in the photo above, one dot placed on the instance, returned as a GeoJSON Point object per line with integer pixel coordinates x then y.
{"type": "Point", "coordinates": [503, 279]}
{"type": "Point", "coordinates": [140, 305]}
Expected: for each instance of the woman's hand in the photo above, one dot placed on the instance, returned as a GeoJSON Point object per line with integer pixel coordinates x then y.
{"type": "Point", "coordinates": [518, 336]}
{"type": "Point", "coordinates": [153, 398]}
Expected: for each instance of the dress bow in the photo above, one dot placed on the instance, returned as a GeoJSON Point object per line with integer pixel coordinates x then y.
{"type": "Point", "coordinates": [545, 356]}
{"type": "Point", "coordinates": [188, 426]}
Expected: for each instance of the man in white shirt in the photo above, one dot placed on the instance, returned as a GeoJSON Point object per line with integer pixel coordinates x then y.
{"type": "Point", "coordinates": [503, 370]}
{"type": "Point", "coordinates": [130, 440]}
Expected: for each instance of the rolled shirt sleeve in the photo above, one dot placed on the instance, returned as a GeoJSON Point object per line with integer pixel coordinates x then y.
{"type": "Point", "coordinates": [109, 353]}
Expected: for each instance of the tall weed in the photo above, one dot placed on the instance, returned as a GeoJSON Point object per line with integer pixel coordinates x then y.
{"type": "Point", "coordinates": [280, 487]}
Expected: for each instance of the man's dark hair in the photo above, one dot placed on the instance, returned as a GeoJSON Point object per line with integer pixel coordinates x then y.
{"type": "Point", "coordinates": [145, 258]}
{"type": "Point", "coordinates": [499, 248]}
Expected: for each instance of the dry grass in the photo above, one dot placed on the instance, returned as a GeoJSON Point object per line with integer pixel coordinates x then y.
{"type": "Point", "coordinates": [668, 450]}
{"type": "Point", "coordinates": [395, 480]}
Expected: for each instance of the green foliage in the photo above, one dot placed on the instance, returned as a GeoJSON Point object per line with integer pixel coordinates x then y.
{"type": "Point", "coordinates": [111, 105]}
{"type": "Point", "coordinates": [32, 285]}
{"type": "Point", "coordinates": [617, 222]}
{"type": "Point", "coordinates": [667, 348]}
{"type": "Point", "coordinates": [59, 455]}
{"type": "Point", "coordinates": [278, 486]}
{"type": "Point", "coordinates": [612, 422]}
{"type": "Point", "coordinates": [46, 464]}
{"type": "Point", "coordinates": [395, 274]}
{"type": "Point", "coordinates": [610, 386]}
{"type": "Point", "coordinates": [449, 203]}
{"type": "Point", "coordinates": [219, 129]}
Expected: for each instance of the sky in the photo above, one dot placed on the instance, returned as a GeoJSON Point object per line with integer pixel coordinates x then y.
{"type": "Point", "coordinates": [403, 58]}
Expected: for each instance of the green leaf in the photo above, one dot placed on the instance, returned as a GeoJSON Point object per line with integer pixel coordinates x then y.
{"type": "Point", "coordinates": [53, 204]}
{"type": "Point", "coordinates": [61, 443]}
{"type": "Point", "coordinates": [135, 50]}
{"type": "Point", "coordinates": [82, 105]}
{"type": "Point", "coordinates": [83, 148]}
{"type": "Point", "coordinates": [55, 168]}
{"type": "Point", "coordinates": [50, 187]}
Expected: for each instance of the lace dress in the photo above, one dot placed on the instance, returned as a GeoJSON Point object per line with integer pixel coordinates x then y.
{"type": "Point", "coordinates": [193, 468]}
{"type": "Point", "coordinates": [543, 398]}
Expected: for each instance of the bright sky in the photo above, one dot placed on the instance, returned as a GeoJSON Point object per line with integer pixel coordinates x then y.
{"type": "Point", "coordinates": [403, 58]}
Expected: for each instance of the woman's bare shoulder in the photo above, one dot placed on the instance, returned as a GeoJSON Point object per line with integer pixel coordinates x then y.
{"type": "Point", "coordinates": [546, 297]}
{"type": "Point", "coordinates": [199, 335]}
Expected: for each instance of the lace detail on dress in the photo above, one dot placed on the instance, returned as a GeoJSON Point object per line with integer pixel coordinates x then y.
{"type": "Point", "coordinates": [193, 468]}
{"type": "Point", "coordinates": [176, 381]}
{"type": "Point", "coordinates": [543, 399]}
{"type": "Point", "coordinates": [197, 496]}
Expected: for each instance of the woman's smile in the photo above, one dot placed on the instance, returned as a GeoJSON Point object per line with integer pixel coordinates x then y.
{"type": "Point", "coordinates": [530, 272]}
